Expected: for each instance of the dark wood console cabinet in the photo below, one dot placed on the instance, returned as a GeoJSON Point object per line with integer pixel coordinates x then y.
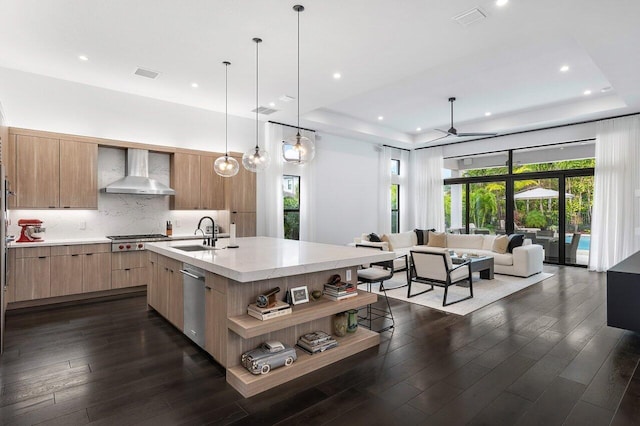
{"type": "Point", "coordinates": [623, 294]}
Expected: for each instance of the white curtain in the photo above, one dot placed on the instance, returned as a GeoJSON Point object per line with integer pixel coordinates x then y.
{"type": "Point", "coordinates": [616, 212]}
{"type": "Point", "coordinates": [384, 190]}
{"type": "Point", "coordinates": [427, 192]}
{"type": "Point", "coordinates": [270, 206]}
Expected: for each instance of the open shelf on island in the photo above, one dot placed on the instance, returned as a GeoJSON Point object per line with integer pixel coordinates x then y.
{"type": "Point", "coordinates": [249, 384]}
{"type": "Point", "coordinates": [247, 326]}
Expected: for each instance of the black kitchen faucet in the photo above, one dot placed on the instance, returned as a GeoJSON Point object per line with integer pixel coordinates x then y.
{"type": "Point", "coordinates": [211, 240]}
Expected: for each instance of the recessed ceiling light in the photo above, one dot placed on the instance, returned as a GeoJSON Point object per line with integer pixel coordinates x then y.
{"type": "Point", "coordinates": [487, 114]}
{"type": "Point", "coordinates": [564, 68]}
{"type": "Point", "coordinates": [83, 58]}
{"type": "Point", "coordinates": [194, 85]}
{"type": "Point", "coordinates": [418, 129]}
{"type": "Point", "coordinates": [501, 2]}
{"type": "Point", "coordinates": [272, 104]}
{"type": "Point", "coordinates": [380, 117]}
{"type": "Point", "coordinates": [337, 75]}
{"type": "Point", "coordinates": [587, 92]}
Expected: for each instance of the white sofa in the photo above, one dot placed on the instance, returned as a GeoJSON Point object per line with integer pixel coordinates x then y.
{"type": "Point", "coordinates": [525, 260]}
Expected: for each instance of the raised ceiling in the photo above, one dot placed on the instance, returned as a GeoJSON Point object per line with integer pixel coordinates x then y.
{"type": "Point", "coordinates": [399, 60]}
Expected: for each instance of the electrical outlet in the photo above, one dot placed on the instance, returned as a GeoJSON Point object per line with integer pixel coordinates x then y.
{"type": "Point", "coordinates": [175, 223]}
{"type": "Point", "coordinates": [348, 275]}
{"type": "Point", "coordinates": [82, 226]}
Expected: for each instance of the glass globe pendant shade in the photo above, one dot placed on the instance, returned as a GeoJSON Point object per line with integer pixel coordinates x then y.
{"type": "Point", "coordinates": [256, 159]}
{"type": "Point", "coordinates": [226, 166]}
{"type": "Point", "coordinates": [298, 150]}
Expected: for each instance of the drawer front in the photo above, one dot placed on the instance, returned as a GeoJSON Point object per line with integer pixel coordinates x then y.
{"type": "Point", "coordinates": [129, 260]}
{"type": "Point", "coordinates": [66, 250]}
{"type": "Point", "coordinates": [96, 248]}
{"type": "Point", "coordinates": [22, 252]}
{"type": "Point", "coordinates": [129, 277]}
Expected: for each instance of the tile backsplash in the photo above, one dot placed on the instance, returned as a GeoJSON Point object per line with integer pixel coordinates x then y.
{"type": "Point", "coordinates": [120, 214]}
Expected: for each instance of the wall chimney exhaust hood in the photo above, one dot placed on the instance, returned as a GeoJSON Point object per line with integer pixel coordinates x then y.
{"type": "Point", "coordinates": [137, 180]}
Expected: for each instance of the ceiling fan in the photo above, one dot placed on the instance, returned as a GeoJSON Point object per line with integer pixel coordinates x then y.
{"type": "Point", "coordinates": [454, 132]}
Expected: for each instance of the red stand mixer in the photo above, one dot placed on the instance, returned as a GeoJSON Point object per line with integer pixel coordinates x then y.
{"type": "Point", "coordinates": [31, 231]}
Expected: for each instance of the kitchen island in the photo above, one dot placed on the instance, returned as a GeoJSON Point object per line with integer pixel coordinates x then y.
{"type": "Point", "coordinates": [236, 276]}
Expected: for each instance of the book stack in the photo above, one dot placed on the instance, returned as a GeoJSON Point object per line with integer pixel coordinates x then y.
{"type": "Point", "coordinates": [340, 291]}
{"type": "Point", "coordinates": [317, 341]}
{"type": "Point", "coordinates": [279, 309]}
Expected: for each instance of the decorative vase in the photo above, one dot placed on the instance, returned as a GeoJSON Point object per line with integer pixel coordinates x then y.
{"type": "Point", "coordinates": [352, 324]}
{"type": "Point", "coordinates": [340, 324]}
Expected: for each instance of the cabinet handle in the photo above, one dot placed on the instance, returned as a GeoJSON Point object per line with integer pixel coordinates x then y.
{"type": "Point", "coordinates": [207, 287]}
{"type": "Point", "coordinates": [89, 254]}
{"type": "Point", "coordinates": [74, 255]}
{"type": "Point", "coordinates": [52, 207]}
{"type": "Point", "coordinates": [66, 207]}
{"type": "Point", "coordinates": [42, 257]}
{"type": "Point", "coordinates": [127, 269]}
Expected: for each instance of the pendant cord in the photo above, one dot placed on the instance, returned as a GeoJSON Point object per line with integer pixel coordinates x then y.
{"type": "Point", "coordinates": [298, 71]}
{"type": "Point", "coordinates": [452, 114]}
{"type": "Point", "coordinates": [226, 111]}
{"type": "Point", "coordinates": [257, 103]}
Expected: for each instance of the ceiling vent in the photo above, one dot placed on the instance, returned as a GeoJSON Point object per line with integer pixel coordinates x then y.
{"type": "Point", "coordinates": [469, 17]}
{"type": "Point", "coordinates": [146, 73]}
{"type": "Point", "coordinates": [264, 110]}
{"type": "Point", "coordinates": [286, 98]}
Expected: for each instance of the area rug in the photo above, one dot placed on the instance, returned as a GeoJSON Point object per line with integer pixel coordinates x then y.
{"type": "Point", "coordinates": [485, 292]}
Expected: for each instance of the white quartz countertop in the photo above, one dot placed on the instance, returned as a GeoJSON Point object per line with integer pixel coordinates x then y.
{"type": "Point", "coordinates": [261, 258]}
{"type": "Point", "coordinates": [93, 240]}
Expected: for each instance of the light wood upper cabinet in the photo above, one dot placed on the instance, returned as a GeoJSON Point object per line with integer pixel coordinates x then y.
{"type": "Point", "coordinates": [78, 175]}
{"type": "Point", "coordinates": [37, 172]}
{"type": "Point", "coordinates": [185, 180]}
{"type": "Point", "coordinates": [197, 185]}
{"type": "Point", "coordinates": [211, 185]}
{"type": "Point", "coordinates": [241, 190]}
{"type": "Point", "coordinates": [52, 173]}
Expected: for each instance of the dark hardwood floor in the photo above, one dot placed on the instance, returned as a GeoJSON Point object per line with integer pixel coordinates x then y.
{"type": "Point", "coordinates": [541, 356]}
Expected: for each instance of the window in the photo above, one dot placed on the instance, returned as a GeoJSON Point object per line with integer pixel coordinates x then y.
{"type": "Point", "coordinates": [291, 198]}
{"type": "Point", "coordinates": [395, 167]}
{"type": "Point", "coordinates": [395, 208]}
{"type": "Point", "coordinates": [543, 192]}
{"type": "Point", "coordinates": [395, 196]}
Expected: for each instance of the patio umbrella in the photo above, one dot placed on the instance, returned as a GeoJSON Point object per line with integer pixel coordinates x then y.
{"type": "Point", "coordinates": [539, 194]}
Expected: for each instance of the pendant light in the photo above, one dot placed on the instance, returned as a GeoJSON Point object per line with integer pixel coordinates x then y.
{"type": "Point", "coordinates": [298, 149]}
{"type": "Point", "coordinates": [226, 166]}
{"type": "Point", "coordinates": [256, 159]}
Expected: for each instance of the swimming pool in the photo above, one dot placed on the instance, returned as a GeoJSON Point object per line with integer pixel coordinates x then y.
{"type": "Point", "coordinates": [583, 244]}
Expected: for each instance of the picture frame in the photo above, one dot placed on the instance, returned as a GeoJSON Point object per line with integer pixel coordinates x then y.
{"type": "Point", "coordinates": [299, 295]}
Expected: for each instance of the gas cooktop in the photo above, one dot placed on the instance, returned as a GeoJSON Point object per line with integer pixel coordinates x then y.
{"type": "Point", "coordinates": [140, 237]}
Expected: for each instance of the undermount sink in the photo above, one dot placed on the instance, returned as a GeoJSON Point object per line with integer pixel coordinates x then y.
{"type": "Point", "coordinates": [194, 248]}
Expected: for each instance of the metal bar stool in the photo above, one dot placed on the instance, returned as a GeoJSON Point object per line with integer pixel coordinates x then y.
{"type": "Point", "coordinates": [377, 272]}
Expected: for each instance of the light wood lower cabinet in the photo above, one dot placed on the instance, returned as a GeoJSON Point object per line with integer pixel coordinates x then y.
{"type": "Point", "coordinates": [129, 269]}
{"type": "Point", "coordinates": [165, 292]}
{"type": "Point", "coordinates": [41, 272]}
{"type": "Point", "coordinates": [66, 275]}
{"type": "Point", "coordinates": [96, 271]}
{"type": "Point", "coordinates": [32, 274]}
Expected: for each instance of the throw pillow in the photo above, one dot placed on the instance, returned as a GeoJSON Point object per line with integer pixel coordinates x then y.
{"type": "Point", "coordinates": [515, 240]}
{"type": "Point", "coordinates": [374, 238]}
{"type": "Point", "coordinates": [437, 239]}
{"type": "Point", "coordinates": [423, 235]}
{"type": "Point", "coordinates": [500, 244]}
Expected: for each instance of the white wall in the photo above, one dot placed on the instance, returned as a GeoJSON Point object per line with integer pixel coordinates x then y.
{"type": "Point", "coordinates": [346, 190]}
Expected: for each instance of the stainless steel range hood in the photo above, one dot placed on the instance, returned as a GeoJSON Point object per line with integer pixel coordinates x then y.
{"type": "Point", "coordinates": [137, 180]}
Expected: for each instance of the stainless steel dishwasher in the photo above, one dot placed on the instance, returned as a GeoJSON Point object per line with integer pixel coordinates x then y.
{"type": "Point", "coordinates": [193, 280]}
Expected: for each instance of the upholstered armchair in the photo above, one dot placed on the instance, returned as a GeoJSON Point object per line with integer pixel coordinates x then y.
{"type": "Point", "coordinates": [434, 267]}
